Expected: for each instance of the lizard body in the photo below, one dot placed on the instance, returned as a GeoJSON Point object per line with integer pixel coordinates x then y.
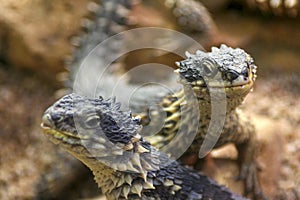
{"type": "Point", "coordinates": [237, 128]}
{"type": "Point", "coordinates": [125, 165]}
{"type": "Point", "coordinates": [237, 73]}
{"type": "Point", "coordinates": [108, 18]}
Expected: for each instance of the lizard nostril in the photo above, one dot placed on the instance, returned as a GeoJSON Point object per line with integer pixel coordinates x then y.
{"type": "Point", "coordinates": [47, 121]}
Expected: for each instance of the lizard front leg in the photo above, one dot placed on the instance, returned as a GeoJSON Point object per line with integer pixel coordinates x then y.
{"type": "Point", "coordinates": [240, 131]}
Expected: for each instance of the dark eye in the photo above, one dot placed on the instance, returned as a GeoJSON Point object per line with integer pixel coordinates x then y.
{"type": "Point", "coordinates": [232, 75]}
{"type": "Point", "coordinates": [92, 122]}
{"type": "Point", "coordinates": [210, 67]}
{"type": "Point", "coordinates": [57, 118]}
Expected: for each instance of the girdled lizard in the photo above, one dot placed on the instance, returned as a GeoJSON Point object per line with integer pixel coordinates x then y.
{"type": "Point", "coordinates": [111, 17]}
{"type": "Point", "coordinates": [125, 166]}
{"type": "Point", "coordinates": [198, 72]}
{"type": "Point", "coordinates": [236, 74]}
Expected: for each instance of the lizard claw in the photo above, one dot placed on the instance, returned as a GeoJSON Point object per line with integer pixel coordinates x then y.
{"type": "Point", "coordinates": [248, 174]}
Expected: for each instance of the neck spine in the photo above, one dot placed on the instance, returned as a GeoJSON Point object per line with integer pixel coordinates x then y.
{"type": "Point", "coordinates": [122, 179]}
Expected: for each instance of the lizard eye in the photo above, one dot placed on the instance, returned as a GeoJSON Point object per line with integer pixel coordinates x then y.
{"type": "Point", "coordinates": [210, 67]}
{"type": "Point", "coordinates": [57, 118]}
{"type": "Point", "coordinates": [92, 121]}
{"type": "Point", "coordinates": [232, 75]}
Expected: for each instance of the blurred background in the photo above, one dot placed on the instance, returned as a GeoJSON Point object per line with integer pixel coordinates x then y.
{"type": "Point", "coordinates": [35, 39]}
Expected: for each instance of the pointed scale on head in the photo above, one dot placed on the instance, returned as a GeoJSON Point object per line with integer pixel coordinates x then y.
{"type": "Point", "coordinates": [96, 132]}
{"type": "Point", "coordinates": [88, 123]}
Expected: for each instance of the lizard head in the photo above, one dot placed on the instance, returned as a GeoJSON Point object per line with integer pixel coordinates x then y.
{"type": "Point", "coordinates": [90, 127]}
{"type": "Point", "coordinates": [224, 67]}
{"type": "Point", "coordinates": [103, 137]}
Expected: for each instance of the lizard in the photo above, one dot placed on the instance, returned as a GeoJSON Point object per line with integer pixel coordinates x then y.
{"type": "Point", "coordinates": [111, 18]}
{"type": "Point", "coordinates": [236, 74]}
{"type": "Point", "coordinates": [125, 165]}
{"type": "Point", "coordinates": [107, 18]}
{"type": "Point", "coordinates": [90, 41]}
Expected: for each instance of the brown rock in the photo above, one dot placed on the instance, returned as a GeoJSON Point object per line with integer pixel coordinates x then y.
{"type": "Point", "coordinates": [35, 34]}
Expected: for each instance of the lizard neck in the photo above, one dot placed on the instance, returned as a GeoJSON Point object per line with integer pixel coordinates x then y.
{"type": "Point", "coordinates": [173, 104]}
{"type": "Point", "coordinates": [181, 109]}
{"type": "Point", "coordinates": [124, 176]}
{"type": "Point", "coordinates": [218, 95]}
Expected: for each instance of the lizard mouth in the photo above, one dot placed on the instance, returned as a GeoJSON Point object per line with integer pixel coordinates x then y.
{"type": "Point", "coordinates": [49, 129]}
{"type": "Point", "coordinates": [222, 84]}
{"type": "Point", "coordinates": [240, 89]}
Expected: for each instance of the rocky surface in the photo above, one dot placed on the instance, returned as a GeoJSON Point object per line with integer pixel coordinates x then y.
{"type": "Point", "coordinates": [30, 29]}
{"type": "Point", "coordinates": [26, 155]}
{"type": "Point", "coordinates": [35, 34]}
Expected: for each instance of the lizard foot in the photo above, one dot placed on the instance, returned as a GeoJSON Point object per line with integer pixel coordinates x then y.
{"type": "Point", "coordinates": [248, 174]}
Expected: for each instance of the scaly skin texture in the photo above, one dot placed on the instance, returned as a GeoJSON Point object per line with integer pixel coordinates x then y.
{"type": "Point", "coordinates": [285, 7]}
{"type": "Point", "coordinates": [236, 123]}
{"type": "Point", "coordinates": [110, 18]}
{"type": "Point", "coordinates": [190, 15]}
{"type": "Point", "coordinates": [206, 74]}
{"type": "Point", "coordinates": [125, 166]}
